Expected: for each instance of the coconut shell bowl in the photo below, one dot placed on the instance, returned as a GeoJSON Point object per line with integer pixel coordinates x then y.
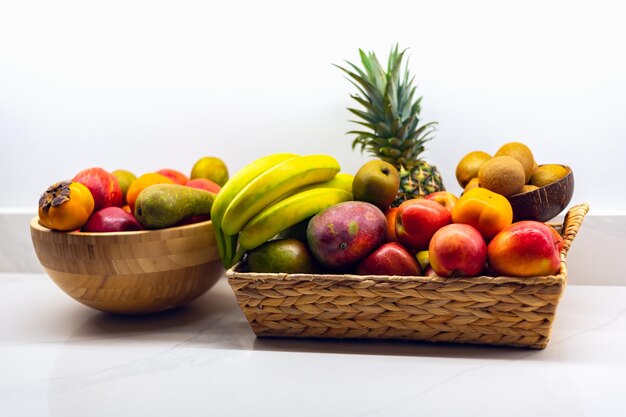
{"type": "Point", "coordinates": [545, 203]}
{"type": "Point", "coordinates": [131, 272]}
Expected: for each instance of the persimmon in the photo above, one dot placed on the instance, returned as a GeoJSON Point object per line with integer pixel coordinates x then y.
{"type": "Point", "coordinates": [487, 211]}
{"type": "Point", "coordinates": [65, 206]}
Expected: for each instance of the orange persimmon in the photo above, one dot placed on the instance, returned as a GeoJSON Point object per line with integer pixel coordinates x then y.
{"type": "Point", "coordinates": [65, 206]}
{"type": "Point", "coordinates": [487, 211]}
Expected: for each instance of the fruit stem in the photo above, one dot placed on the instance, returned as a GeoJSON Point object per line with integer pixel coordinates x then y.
{"type": "Point", "coordinates": [238, 256]}
{"type": "Point", "coordinates": [219, 239]}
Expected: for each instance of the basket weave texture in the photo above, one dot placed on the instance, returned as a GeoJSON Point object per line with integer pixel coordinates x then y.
{"type": "Point", "coordinates": [482, 310]}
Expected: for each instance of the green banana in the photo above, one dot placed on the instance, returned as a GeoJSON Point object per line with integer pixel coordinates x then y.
{"type": "Point", "coordinates": [285, 213]}
{"type": "Point", "coordinates": [272, 184]}
{"type": "Point", "coordinates": [227, 245]}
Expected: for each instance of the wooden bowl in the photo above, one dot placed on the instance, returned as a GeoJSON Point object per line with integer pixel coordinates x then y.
{"type": "Point", "coordinates": [544, 203]}
{"type": "Point", "coordinates": [131, 272]}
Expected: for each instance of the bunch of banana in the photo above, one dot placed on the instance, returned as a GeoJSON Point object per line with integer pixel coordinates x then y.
{"type": "Point", "coordinates": [271, 194]}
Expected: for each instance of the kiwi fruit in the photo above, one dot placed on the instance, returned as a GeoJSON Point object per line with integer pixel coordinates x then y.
{"type": "Point", "coordinates": [503, 175]}
{"type": "Point", "coordinates": [523, 154]}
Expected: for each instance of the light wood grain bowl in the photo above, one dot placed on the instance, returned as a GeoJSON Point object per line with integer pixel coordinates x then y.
{"type": "Point", "coordinates": [131, 272]}
{"type": "Point", "coordinates": [544, 203]}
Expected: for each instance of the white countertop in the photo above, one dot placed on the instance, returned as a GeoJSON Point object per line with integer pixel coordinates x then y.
{"type": "Point", "coordinates": [59, 358]}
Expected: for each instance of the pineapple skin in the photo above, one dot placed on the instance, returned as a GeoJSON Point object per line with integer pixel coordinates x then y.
{"type": "Point", "coordinates": [421, 180]}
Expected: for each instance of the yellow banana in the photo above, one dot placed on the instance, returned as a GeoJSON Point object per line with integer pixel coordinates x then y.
{"type": "Point", "coordinates": [342, 181]}
{"type": "Point", "coordinates": [227, 245]}
{"type": "Point", "coordinates": [272, 184]}
{"type": "Point", "coordinates": [285, 213]}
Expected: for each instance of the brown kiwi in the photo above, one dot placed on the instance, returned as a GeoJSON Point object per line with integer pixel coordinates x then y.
{"type": "Point", "coordinates": [503, 175]}
{"type": "Point", "coordinates": [522, 153]}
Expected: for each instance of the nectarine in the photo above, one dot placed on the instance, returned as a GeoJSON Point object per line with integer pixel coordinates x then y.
{"type": "Point", "coordinates": [525, 249]}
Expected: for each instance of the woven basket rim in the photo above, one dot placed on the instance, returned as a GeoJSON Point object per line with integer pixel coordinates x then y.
{"type": "Point", "coordinates": [570, 227]}
{"type": "Point", "coordinates": [558, 279]}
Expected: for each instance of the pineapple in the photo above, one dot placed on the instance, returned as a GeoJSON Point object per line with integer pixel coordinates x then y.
{"type": "Point", "coordinates": [393, 117]}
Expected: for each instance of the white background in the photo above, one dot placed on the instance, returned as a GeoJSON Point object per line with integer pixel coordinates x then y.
{"type": "Point", "coordinates": [150, 85]}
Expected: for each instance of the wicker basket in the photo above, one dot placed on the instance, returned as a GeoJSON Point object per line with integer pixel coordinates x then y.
{"type": "Point", "coordinates": [483, 310]}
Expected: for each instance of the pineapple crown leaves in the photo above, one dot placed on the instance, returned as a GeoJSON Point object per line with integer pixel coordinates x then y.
{"type": "Point", "coordinates": [390, 110]}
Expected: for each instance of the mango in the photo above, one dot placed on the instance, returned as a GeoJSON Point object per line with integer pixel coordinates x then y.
{"type": "Point", "coordinates": [124, 179]}
{"type": "Point", "coordinates": [346, 233]}
{"type": "Point", "coordinates": [290, 256]}
{"type": "Point", "coordinates": [164, 205]}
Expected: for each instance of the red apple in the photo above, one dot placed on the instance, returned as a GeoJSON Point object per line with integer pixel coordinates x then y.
{"type": "Point", "coordinates": [389, 259]}
{"type": "Point", "coordinates": [111, 219]}
{"type": "Point", "coordinates": [390, 215]}
{"type": "Point", "coordinates": [177, 177]}
{"type": "Point", "coordinates": [445, 198]}
{"type": "Point", "coordinates": [457, 250]}
{"type": "Point", "coordinates": [525, 249]}
{"type": "Point", "coordinates": [204, 184]}
{"type": "Point", "coordinates": [103, 186]}
{"type": "Point", "coordinates": [418, 220]}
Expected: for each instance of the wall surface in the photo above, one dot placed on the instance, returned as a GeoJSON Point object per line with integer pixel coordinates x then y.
{"type": "Point", "coordinates": [149, 85]}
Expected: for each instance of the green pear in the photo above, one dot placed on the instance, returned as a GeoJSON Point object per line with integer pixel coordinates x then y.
{"type": "Point", "coordinates": [376, 182]}
{"type": "Point", "coordinates": [164, 205]}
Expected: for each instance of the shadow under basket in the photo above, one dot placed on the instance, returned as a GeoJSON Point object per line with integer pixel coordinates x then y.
{"type": "Point", "coordinates": [506, 311]}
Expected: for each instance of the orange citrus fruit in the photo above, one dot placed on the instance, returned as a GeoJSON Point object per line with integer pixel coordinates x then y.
{"type": "Point", "coordinates": [547, 174]}
{"type": "Point", "coordinates": [142, 182]}
{"type": "Point", "coordinates": [469, 165]}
